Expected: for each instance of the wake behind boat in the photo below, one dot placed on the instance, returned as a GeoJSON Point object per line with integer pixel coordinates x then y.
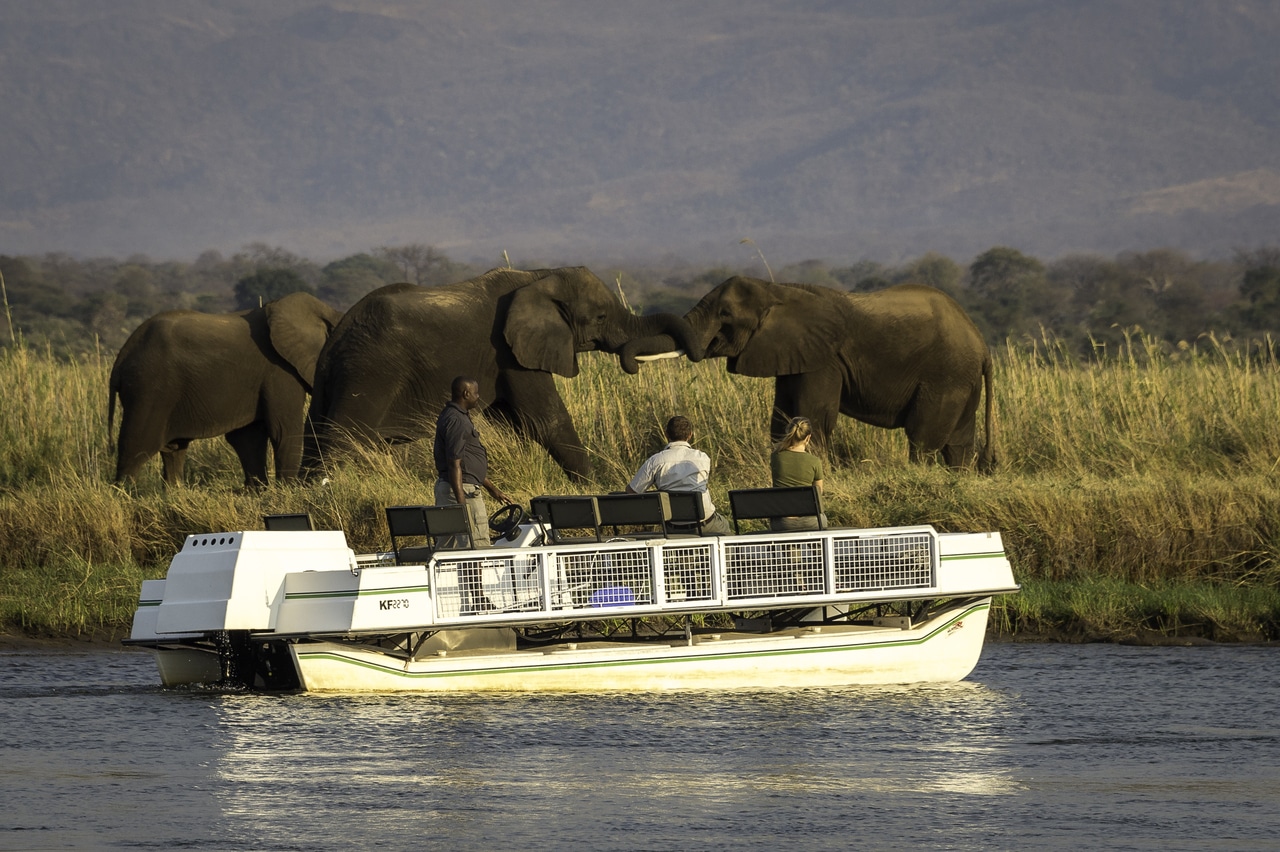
{"type": "Point", "coordinates": [622, 603]}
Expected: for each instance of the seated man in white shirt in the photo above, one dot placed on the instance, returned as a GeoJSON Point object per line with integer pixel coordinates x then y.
{"type": "Point", "coordinates": [679, 467]}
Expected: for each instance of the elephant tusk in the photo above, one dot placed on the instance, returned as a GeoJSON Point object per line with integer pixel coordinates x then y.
{"type": "Point", "coordinates": [675, 353]}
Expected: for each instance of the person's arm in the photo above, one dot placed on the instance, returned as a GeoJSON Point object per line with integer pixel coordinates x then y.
{"type": "Point", "coordinates": [496, 492]}
{"type": "Point", "coordinates": [817, 483]}
{"type": "Point", "coordinates": [455, 480]}
{"type": "Point", "coordinates": [643, 478]}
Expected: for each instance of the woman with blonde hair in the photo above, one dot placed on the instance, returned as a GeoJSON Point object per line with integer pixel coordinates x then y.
{"type": "Point", "coordinates": [793, 465]}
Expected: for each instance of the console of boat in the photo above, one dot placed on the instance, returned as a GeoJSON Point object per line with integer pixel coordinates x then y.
{"type": "Point", "coordinates": [579, 593]}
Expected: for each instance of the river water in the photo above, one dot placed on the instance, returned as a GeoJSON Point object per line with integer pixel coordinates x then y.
{"type": "Point", "coordinates": [1043, 747]}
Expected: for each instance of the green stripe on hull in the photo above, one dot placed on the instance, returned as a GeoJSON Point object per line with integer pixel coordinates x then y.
{"type": "Point", "coordinates": [995, 554]}
{"type": "Point", "coordinates": [352, 593]}
{"type": "Point", "coordinates": [920, 640]}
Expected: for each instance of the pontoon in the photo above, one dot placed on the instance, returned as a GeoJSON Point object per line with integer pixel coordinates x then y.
{"type": "Point", "coordinates": [580, 593]}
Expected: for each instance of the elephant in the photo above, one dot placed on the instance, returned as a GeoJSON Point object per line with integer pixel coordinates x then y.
{"type": "Point", "coordinates": [385, 373]}
{"type": "Point", "coordinates": [907, 357]}
{"type": "Point", "coordinates": [184, 375]}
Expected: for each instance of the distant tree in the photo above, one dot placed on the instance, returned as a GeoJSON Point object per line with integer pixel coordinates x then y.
{"type": "Point", "coordinates": [1009, 294]}
{"type": "Point", "coordinates": [259, 257]}
{"type": "Point", "coordinates": [267, 285]}
{"type": "Point", "coordinates": [344, 281]}
{"type": "Point", "coordinates": [30, 294]}
{"type": "Point", "coordinates": [808, 272]}
{"type": "Point", "coordinates": [863, 276]}
{"type": "Point", "coordinates": [136, 283]}
{"type": "Point", "coordinates": [106, 316]}
{"type": "Point", "coordinates": [1260, 290]}
{"type": "Point", "coordinates": [422, 264]}
{"type": "Point", "coordinates": [935, 270]}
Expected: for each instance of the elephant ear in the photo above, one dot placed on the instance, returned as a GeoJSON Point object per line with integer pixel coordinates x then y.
{"type": "Point", "coordinates": [800, 331]}
{"type": "Point", "coordinates": [299, 325]}
{"type": "Point", "coordinates": [536, 329]}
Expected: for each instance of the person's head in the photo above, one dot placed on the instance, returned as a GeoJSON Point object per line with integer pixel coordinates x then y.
{"type": "Point", "coordinates": [679, 429]}
{"type": "Point", "coordinates": [465, 391]}
{"type": "Point", "coordinates": [799, 431]}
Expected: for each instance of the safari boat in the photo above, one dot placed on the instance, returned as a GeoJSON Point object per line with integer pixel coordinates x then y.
{"type": "Point", "coordinates": [567, 600]}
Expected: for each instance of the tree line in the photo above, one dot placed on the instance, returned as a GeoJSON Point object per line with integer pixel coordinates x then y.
{"type": "Point", "coordinates": [70, 306]}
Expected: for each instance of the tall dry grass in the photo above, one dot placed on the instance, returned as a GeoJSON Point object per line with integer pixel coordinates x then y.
{"type": "Point", "coordinates": [1143, 469]}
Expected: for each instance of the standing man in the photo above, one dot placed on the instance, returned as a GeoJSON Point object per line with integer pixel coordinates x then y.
{"type": "Point", "coordinates": [679, 467]}
{"type": "Point", "coordinates": [461, 460]}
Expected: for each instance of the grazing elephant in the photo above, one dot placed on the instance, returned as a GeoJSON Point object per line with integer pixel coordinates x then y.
{"type": "Point", "coordinates": [385, 373]}
{"type": "Point", "coordinates": [907, 357]}
{"type": "Point", "coordinates": [184, 375]}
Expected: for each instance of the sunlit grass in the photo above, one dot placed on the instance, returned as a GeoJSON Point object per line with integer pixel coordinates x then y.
{"type": "Point", "coordinates": [1146, 470]}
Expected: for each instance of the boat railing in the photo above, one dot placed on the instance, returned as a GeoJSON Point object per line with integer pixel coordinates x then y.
{"type": "Point", "coordinates": [624, 577]}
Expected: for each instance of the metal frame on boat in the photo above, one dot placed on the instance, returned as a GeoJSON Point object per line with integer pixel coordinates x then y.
{"type": "Point", "coordinates": [299, 610]}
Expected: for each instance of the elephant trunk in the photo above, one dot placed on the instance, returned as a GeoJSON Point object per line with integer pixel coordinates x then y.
{"type": "Point", "coordinates": [661, 333]}
{"type": "Point", "coordinates": [656, 334]}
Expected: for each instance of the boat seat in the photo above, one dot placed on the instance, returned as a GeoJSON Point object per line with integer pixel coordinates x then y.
{"type": "Point", "coordinates": [686, 512]}
{"type": "Point", "coordinates": [538, 508]}
{"type": "Point", "coordinates": [573, 513]}
{"type": "Point", "coordinates": [431, 528]}
{"type": "Point", "coordinates": [751, 504]}
{"type": "Point", "coordinates": [293, 522]}
{"type": "Point", "coordinates": [648, 511]}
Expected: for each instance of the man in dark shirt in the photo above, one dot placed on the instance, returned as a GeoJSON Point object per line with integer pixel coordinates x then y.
{"type": "Point", "coordinates": [461, 460]}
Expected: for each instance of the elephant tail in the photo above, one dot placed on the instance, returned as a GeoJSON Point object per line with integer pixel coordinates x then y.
{"type": "Point", "coordinates": [987, 457]}
{"type": "Point", "coordinates": [113, 390]}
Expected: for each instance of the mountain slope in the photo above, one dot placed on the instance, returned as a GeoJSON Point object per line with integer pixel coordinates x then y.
{"type": "Point", "coordinates": [578, 130]}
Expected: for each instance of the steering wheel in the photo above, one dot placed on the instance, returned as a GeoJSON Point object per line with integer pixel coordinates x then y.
{"type": "Point", "coordinates": [506, 521]}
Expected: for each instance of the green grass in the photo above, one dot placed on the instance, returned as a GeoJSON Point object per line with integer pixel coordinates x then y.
{"type": "Point", "coordinates": [1136, 493]}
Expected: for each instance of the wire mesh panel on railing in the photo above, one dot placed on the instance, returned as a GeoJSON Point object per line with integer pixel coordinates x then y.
{"type": "Point", "coordinates": [883, 562]}
{"type": "Point", "coordinates": [773, 568]}
{"type": "Point", "coordinates": [478, 585]}
{"type": "Point", "coordinates": [620, 577]}
{"type": "Point", "coordinates": [686, 572]}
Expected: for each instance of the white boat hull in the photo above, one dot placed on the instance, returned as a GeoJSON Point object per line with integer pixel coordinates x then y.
{"type": "Point", "coordinates": [943, 649]}
{"type": "Point", "coordinates": [283, 610]}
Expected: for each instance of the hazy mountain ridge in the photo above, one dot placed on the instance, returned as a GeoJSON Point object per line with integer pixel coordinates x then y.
{"type": "Point", "coordinates": [577, 130]}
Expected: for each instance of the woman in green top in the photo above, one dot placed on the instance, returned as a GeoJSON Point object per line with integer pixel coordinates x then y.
{"type": "Point", "coordinates": [793, 465]}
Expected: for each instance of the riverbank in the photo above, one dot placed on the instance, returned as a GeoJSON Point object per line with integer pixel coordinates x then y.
{"type": "Point", "coordinates": [1136, 496]}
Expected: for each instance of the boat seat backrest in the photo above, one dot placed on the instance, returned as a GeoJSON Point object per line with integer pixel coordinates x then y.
{"type": "Point", "coordinates": [426, 529]}
{"type": "Point", "coordinates": [538, 508]}
{"type": "Point", "coordinates": [750, 504]}
{"type": "Point", "coordinates": [293, 522]}
{"type": "Point", "coordinates": [573, 513]}
{"type": "Point", "coordinates": [445, 521]}
{"type": "Point", "coordinates": [686, 512]}
{"type": "Point", "coordinates": [651, 510]}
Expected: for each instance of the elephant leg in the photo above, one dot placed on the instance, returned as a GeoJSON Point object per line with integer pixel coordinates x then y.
{"type": "Point", "coordinates": [961, 449]}
{"type": "Point", "coordinates": [936, 423]}
{"type": "Point", "coordinates": [287, 450]}
{"type": "Point", "coordinates": [534, 408]}
{"type": "Point", "coordinates": [814, 395]}
{"type": "Point", "coordinates": [173, 458]}
{"type": "Point", "coordinates": [250, 444]}
{"type": "Point", "coordinates": [283, 421]}
{"type": "Point", "coordinates": [142, 435]}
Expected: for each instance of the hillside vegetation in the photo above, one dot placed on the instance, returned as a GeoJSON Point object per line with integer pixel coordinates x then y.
{"type": "Point", "coordinates": [1137, 494]}
{"type": "Point", "coordinates": [827, 130]}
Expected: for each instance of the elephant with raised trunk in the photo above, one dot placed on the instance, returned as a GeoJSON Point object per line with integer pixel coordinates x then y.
{"type": "Point", "coordinates": [385, 373]}
{"type": "Point", "coordinates": [907, 357]}
{"type": "Point", "coordinates": [184, 375]}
